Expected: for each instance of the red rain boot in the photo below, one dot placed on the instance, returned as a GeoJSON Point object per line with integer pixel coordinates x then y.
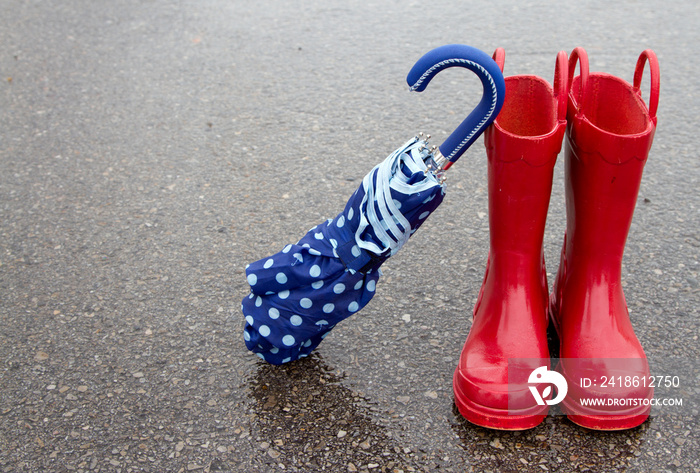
{"type": "Point", "coordinates": [510, 317]}
{"type": "Point", "coordinates": [610, 131]}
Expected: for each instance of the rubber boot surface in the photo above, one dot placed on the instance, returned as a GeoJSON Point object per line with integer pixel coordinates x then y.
{"type": "Point", "coordinates": [609, 134]}
{"type": "Point", "coordinates": [510, 318]}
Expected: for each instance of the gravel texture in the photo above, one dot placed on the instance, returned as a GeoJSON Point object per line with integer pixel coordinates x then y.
{"type": "Point", "coordinates": [149, 150]}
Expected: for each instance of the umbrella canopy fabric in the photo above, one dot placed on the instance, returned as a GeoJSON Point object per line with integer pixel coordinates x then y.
{"type": "Point", "coordinates": [299, 294]}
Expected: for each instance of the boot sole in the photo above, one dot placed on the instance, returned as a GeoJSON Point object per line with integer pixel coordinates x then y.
{"type": "Point", "coordinates": [498, 419]}
{"type": "Point", "coordinates": [608, 423]}
{"type": "Point", "coordinates": [598, 421]}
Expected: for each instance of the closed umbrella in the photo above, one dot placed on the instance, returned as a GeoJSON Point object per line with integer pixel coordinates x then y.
{"type": "Point", "coordinates": [300, 293]}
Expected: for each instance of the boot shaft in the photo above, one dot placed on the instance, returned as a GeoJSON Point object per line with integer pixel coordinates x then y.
{"type": "Point", "coordinates": [609, 135]}
{"type": "Point", "coordinates": [600, 202]}
{"type": "Point", "coordinates": [522, 148]}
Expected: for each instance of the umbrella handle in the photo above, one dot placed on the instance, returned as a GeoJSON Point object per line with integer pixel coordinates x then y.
{"type": "Point", "coordinates": [480, 118]}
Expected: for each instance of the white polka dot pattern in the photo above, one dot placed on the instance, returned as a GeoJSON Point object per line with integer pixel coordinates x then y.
{"type": "Point", "coordinates": [299, 294]}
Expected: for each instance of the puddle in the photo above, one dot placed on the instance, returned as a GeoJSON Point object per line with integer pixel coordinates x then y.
{"type": "Point", "coordinates": [303, 417]}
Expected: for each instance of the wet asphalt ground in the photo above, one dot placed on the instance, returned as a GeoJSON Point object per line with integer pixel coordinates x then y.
{"type": "Point", "coordinates": [149, 150]}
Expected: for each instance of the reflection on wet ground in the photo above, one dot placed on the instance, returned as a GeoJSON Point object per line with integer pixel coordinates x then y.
{"type": "Point", "coordinates": [305, 418]}
{"type": "Point", "coordinates": [554, 445]}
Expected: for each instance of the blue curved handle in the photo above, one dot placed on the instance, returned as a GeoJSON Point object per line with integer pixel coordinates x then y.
{"type": "Point", "coordinates": [489, 73]}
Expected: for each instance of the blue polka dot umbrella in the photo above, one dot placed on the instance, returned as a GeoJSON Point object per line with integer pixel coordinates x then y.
{"type": "Point", "coordinates": [299, 294]}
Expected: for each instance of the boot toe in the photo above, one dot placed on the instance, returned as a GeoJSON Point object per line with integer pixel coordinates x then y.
{"type": "Point", "coordinates": [490, 393]}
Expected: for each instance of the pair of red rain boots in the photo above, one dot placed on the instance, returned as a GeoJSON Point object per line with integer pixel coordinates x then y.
{"type": "Point", "coordinates": [503, 379]}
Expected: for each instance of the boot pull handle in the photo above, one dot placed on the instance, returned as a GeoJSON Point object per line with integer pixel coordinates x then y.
{"type": "Point", "coordinates": [648, 55]}
{"type": "Point", "coordinates": [499, 56]}
{"type": "Point", "coordinates": [561, 84]}
{"type": "Point", "coordinates": [561, 78]}
{"type": "Point", "coordinates": [578, 55]}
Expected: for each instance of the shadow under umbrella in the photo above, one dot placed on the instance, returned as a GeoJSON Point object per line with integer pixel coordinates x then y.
{"type": "Point", "coordinates": [304, 417]}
